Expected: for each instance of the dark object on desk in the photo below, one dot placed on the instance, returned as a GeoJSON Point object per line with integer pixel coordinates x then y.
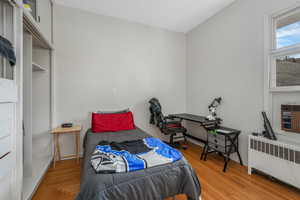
{"type": "Point", "coordinates": [7, 50]}
{"type": "Point", "coordinates": [166, 124]}
{"type": "Point", "coordinates": [67, 125]}
{"type": "Point", "coordinates": [212, 108]}
{"type": "Point", "coordinates": [206, 124]}
{"type": "Point", "coordinates": [257, 134]}
{"type": "Point", "coordinates": [268, 133]}
{"type": "Point", "coordinates": [224, 141]}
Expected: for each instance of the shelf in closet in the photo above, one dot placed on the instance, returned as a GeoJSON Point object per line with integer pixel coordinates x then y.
{"type": "Point", "coordinates": [32, 27]}
{"type": "Point", "coordinates": [38, 68]}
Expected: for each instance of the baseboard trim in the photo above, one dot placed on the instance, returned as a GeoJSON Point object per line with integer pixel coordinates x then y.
{"type": "Point", "coordinates": [195, 138]}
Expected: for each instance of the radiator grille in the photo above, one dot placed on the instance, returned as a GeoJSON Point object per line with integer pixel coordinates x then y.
{"type": "Point", "coordinates": [276, 150]}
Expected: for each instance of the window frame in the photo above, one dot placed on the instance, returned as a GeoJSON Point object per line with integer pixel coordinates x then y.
{"type": "Point", "coordinates": [274, 52]}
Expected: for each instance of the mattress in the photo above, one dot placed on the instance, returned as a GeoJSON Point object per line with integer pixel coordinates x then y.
{"type": "Point", "coordinates": [155, 183]}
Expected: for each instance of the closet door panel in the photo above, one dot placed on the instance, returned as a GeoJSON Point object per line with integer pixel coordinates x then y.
{"type": "Point", "coordinates": [7, 165]}
{"type": "Point", "coordinates": [5, 146]}
{"type": "Point", "coordinates": [27, 103]}
{"type": "Point", "coordinates": [6, 125]}
{"type": "Point", "coordinates": [5, 119]}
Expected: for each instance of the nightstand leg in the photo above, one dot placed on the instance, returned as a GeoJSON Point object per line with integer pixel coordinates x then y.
{"type": "Point", "coordinates": [58, 147]}
{"type": "Point", "coordinates": [77, 146]}
{"type": "Point", "coordinates": [55, 150]}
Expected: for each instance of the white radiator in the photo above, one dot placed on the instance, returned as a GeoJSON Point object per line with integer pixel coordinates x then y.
{"type": "Point", "coordinates": [279, 159]}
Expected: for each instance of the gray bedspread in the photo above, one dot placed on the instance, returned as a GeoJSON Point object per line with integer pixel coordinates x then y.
{"type": "Point", "coordinates": [154, 183]}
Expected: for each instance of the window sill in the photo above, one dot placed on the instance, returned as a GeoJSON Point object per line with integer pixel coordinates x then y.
{"type": "Point", "coordinates": [285, 89]}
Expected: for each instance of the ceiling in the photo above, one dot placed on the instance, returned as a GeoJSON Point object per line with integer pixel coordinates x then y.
{"type": "Point", "coordinates": [174, 15]}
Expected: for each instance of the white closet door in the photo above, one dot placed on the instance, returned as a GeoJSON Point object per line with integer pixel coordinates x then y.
{"type": "Point", "coordinates": [7, 113]}
{"type": "Point", "coordinates": [8, 100]}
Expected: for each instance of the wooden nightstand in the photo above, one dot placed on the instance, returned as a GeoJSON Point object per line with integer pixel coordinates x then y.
{"type": "Point", "coordinates": [58, 131]}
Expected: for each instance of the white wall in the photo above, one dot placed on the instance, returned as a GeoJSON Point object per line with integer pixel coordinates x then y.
{"type": "Point", "coordinates": [225, 57]}
{"type": "Point", "coordinates": [106, 63]}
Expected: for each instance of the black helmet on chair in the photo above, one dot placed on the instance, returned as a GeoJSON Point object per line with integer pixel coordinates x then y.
{"type": "Point", "coordinates": [155, 109]}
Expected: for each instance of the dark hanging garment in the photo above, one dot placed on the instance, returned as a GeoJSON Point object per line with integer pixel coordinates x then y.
{"type": "Point", "coordinates": [7, 50]}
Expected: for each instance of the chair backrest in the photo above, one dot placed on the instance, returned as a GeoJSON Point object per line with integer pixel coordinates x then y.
{"type": "Point", "coordinates": [157, 116]}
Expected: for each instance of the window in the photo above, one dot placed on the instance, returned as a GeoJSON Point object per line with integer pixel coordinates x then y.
{"type": "Point", "coordinates": [285, 51]}
{"type": "Point", "coordinates": [288, 70]}
{"type": "Point", "coordinates": [288, 31]}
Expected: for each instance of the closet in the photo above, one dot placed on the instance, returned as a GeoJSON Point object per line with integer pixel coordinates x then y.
{"type": "Point", "coordinates": [26, 95]}
{"type": "Point", "coordinates": [37, 94]}
{"type": "Point", "coordinates": [8, 101]}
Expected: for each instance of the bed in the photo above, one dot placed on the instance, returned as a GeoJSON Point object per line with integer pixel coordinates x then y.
{"type": "Point", "coordinates": [149, 184]}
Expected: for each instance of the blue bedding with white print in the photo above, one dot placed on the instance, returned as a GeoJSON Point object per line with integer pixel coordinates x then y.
{"type": "Point", "coordinates": [128, 156]}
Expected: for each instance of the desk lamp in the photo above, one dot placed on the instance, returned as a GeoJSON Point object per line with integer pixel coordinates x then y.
{"type": "Point", "coordinates": [213, 108]}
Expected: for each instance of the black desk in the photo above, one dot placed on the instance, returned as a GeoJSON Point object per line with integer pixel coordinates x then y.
{"type": "Point", "coordinates": [207, 124]}
{"type": "Point", "coordinates": [190, 117]}
{"type": "Point", "coordinates": [225, 141]}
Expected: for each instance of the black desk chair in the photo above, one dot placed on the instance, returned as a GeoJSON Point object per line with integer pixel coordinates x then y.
{"type": "Point", "coordinates": [166, 124]}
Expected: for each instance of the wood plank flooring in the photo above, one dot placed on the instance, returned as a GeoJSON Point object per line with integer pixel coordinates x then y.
{"type": "Point", "coordinates": [62, 183]}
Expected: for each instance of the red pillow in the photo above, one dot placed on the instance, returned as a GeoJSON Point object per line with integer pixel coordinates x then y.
{"type": "Point", "coordinates": [111, 122]}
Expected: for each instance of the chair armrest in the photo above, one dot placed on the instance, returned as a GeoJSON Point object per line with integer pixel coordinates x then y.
{"type": "Point", "coordinates": [169, 117]}
{"type": "Point", "coordinates": [174, 119]}
{"type": "Point", "coordinates": [173, 122]}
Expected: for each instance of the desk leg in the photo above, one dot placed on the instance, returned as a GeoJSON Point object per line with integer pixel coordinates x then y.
{"type": "Point", "coordinates": [226, 162]}
{"type": "Point", "coordinates": [227, 156]}
{"type": "Point", "coordinates": [240, 158]}
{"type": "Point", "coordinates": [206, 152]}
{"type": "Point", "coordinates": [238, 152]}
{"type": "Point", "coordinates": [203, 152]}
{"type": "Point", "coordinates": [236, 148]}
{"type": "Point", "coordinates": [185, 144]}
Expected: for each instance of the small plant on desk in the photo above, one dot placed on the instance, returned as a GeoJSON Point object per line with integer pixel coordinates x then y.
{"type": "Point", "coordinates": [213, 132]}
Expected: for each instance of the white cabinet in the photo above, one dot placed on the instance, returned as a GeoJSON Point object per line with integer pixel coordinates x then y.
{"type": "Point", "coordinates": [44, 17]}
{"type": "Point", "coordinates": [37, 148]}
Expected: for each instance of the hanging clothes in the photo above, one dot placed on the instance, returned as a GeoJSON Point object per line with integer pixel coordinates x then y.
{"type": "Point", "coordinates": [7, 50]}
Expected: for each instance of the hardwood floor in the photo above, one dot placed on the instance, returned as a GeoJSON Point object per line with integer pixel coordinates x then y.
{"type": "Point", "coordinates": [62, 183]}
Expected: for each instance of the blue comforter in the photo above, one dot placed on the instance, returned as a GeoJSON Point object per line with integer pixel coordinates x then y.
{"type": "Point", "coordinates": [153, 152]}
